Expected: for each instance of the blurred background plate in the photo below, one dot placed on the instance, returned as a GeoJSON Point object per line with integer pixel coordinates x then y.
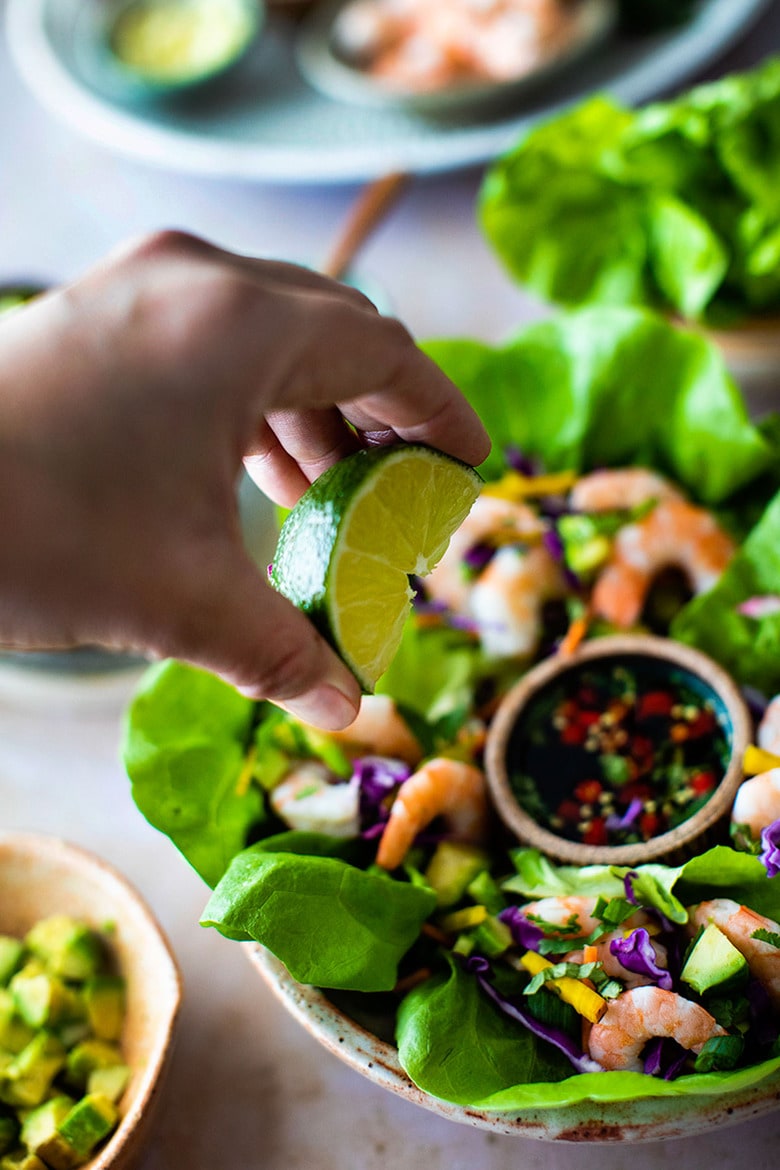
{"type": "Point", "coordinates": [265, 123]}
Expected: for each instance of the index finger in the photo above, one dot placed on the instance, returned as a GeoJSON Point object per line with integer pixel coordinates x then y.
{"type": "Point", "coordinates": [420, 405]}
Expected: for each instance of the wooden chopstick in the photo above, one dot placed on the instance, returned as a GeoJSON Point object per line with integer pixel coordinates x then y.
{"type": "Point", "coordinates": [370, 208]}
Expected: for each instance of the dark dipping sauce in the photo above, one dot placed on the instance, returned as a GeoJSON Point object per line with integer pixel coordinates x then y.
{"type": "Point", "coordinates": [619, 752]}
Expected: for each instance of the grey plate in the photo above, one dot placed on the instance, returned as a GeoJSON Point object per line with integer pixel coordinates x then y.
{"type": "Point", "coordinates": [264, 122]}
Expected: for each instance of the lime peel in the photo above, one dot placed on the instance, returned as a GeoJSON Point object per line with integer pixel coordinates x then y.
{"type": "Point", "coordinates": [347, 549]}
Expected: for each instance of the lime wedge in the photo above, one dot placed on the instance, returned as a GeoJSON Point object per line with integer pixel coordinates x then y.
{"type": "Point", "coordinates": [347, 548]}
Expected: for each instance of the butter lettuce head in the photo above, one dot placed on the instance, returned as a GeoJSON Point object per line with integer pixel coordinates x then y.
{"type": "Point", "coordinates": [675, 205]}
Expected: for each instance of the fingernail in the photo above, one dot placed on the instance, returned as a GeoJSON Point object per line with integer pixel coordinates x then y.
{"type": "Point", "coordinates": [325, 706]}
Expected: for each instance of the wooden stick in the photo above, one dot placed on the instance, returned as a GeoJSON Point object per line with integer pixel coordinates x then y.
{"type": "Point", "coordinates": [372, 205]}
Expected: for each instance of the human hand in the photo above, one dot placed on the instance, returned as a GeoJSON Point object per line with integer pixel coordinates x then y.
{"type": "Point", "coordinates": [127, 403]}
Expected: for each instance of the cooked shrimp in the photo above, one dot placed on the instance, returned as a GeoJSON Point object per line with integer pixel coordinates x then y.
{"type": "Point", "coordinates": [757, 803]}
{"type": "Point", "coordinates": [768, 734]}
{"type": "Point", "coordinates": [492, 521]}
{"type": "Point", "coordinates": [428, 44]}
{"type": "Point", "coordinates": [739, 924]}
{"type": "Point", "coordinates": [507, 599]}
{"type": "Point", "coordinates": [442, 787]}
{"type": "Point", "coordinates": [632, 1019]}
{"type": "Point", "coordinates": [307, 800]}
{"type": "Point", "coordinates": [674, 533]}
{"type": "Point", "coordinates": [612, 965]}
{"type": "Point", "coordinates": [380, 730]}
{"type": "Point", "coordinates": [568, 911]}
{"type": "Point", "coordinates": [620, 487]}
{"type": "Point", "coordinates": [571, 910]}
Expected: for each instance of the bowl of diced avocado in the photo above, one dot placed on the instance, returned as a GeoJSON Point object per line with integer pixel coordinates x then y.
{"type": "Point", "coordinates": [89, 995]}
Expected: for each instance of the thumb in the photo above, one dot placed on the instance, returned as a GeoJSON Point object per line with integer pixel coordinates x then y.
{"type": "Point", "coordinates": [253, 637]}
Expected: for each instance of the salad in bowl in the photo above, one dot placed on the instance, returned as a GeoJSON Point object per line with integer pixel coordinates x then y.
{"type": "Point", "coordinates": [370, 862]}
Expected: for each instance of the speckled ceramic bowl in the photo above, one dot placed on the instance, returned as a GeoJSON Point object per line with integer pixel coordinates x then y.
{"type": "Point", "coordinates": [703, 829]}
{"type": "Point", "coordinates": [40, 876]}
{"type": "Point", "coordinates": [640, 1120]}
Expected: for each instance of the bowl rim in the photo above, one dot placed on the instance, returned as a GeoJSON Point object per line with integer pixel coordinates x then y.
{"type": "Point", "coordinates": [76, 857]}
{"type": "Point", "coordinates": [638, 1120]}
{"type": "Point", "coordinates": [665, 650]}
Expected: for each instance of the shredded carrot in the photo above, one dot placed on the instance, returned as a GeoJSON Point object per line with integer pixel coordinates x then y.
{"type": "Point", "coordinates": [428, 620]}
{"type": "Point", "coordinates": [590, 953]}
{"type": "Point", "coordinates": [412, 980]}
{"type": "Point", "coordinates": [757, 760]}
{"type": "Point", "coordinates": [574, 635]}
{"type": "Point", "coordinates": [437, 935]}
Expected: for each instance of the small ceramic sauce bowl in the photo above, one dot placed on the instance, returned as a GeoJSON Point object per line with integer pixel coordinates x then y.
{"type": "Point", "coordinates": [161, 48]}
{"type": "Point", "coordinates": [42, 876]}
{"type": "Point", "coordinates": [525, 720]}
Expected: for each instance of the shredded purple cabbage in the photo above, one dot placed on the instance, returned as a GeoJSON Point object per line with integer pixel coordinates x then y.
{"type": "Point", "coordinates": [478, 556]}
{"type": "Point", "coordinates": [479, 966]}
{"type": "Point", "coordinates": [628, 886]}
{"type": "Point", "coordinates": [525, 934]}
{"type": "Point", "coordinates": [664, 1058]}
{"type": "Point", "coordinates": [764, 605]}
{"type": "Point", "coordinates": [756, 700]}
{"type": "Point", "coordinates": [764, 1024]}
{"type": "Point", "coordinates": [770, 849]}
{"type": "Point", "coordinates": [518, 461]}
{"type": "Point", "coordinates": [614, 822]}
{"type": "Point", "coordinates": [636, 954]}
{"type": "Point", "coordinates": [377, 776]}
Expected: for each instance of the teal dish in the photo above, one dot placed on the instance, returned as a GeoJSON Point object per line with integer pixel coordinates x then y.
{"type": "Point", "coordinates": [161, 48]}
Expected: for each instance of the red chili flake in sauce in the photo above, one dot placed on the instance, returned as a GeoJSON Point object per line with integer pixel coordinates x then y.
{"type": "Point", "coordinates": [619, 753]}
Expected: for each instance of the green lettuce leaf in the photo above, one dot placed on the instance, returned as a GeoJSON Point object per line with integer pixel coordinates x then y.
{"type": "Point", "coordinates": [184, 741]}
{"type": "Point", "coordinates": [627, 1086]}
{"type": "Point", "coordinates": [456, 1045]}
{"type": "Point", "coordinates": [673, 205]}
{"type": "Point", "coordinates": [607, 386]}
{"type": "Point", "coordinates": [330, 923]}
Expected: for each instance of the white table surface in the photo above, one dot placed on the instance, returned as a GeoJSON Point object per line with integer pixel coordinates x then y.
{"type": "Point", "coordinates": [248, 1088]}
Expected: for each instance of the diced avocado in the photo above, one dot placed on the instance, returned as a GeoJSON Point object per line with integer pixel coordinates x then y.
{"type": "Point", "coordinates": [41, 1136]}
{"type": "Point", "coordinates": [21, 1159]}
{"type": "Point", "coordinates": [86, 1057]}
{"type": "Point", "coordinates": [11, 951]}
{"type": "Point", "coordinates": [27, 1079]}
{"type": "Point", "coordinates": [14, 1034]}
{"type": "Point", "coordinates": [104, 997]}
{"type": "Point", "coordinates": [69, 948]}
{"type": "Point", "coordinates": [44, 1000]}
{"type": "Point", "coordinates": [73, 1032]}
{"type": "Point", "coordinates": [714, 962]}
{"type": "Point", "coordinates": [453, 866]}
{"type": "Point", "coordinates": [9, 1132]}
{"type": "Point", "coordinates": [492, 937]}
{"type": "Point", "coordinates": [109, 1082]}
{"type": "Point", "coordinates": [90, 1120]}
{"type": "Point", "coordinates": [486, 890]}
